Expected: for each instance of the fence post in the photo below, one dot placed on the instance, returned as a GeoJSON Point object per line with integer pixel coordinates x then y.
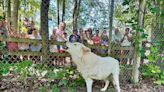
{"type": "Point", "coordinates": [111, 12]}
{"type": "Point", "coordinates": [44, 29]}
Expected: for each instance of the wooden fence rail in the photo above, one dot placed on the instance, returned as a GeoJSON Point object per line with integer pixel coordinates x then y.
{"type": "Point", "coordinates": [51, 42]}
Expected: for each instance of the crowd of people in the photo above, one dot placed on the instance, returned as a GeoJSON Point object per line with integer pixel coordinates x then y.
{"type": "Point", "coordinates": [94, 37]}
{"type": "Point", "coordinates": [85, 36]}
{"type": "Point", "coordinates": [82, 36]}
{"type": "Point", "coordinates": [27, 30]}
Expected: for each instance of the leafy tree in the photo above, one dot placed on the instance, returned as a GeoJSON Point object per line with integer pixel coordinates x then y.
{"type": "Point", "coordinates": [63, 10]}
{"type": "Point", "coordinates": [14, 14]}
{"type": "Point", "coordinates": [76, 13]}
{"type": "Point", "coordinates": [137, 56]}
{"type": "Point", "coordinates": [8, 10]}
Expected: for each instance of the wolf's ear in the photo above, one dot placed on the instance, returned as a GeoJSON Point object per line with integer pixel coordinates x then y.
{"type": "Point", "coordinates": [86, 49]}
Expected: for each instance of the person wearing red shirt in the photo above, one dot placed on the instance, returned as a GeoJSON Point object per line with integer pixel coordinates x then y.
{"type": "Point", "coordinates": [96, 41]}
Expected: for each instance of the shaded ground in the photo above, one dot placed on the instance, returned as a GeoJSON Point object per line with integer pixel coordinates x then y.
{"type": "Point", "coordinates": [33, 85]}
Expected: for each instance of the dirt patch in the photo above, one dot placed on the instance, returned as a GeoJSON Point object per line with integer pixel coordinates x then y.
{"type": "Point", "coordinates": [34, 85]}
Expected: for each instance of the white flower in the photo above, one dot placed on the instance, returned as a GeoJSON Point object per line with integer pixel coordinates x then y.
{"type": "Point", "coordinates": [44, 73]}
{"type": "Point", "coordinates": [56, 70]}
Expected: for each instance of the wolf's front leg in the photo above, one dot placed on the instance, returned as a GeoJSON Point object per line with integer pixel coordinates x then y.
{"type": "Point", "coordinates": [89, 83]}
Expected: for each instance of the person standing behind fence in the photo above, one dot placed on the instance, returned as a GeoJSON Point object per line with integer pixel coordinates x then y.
{"type": "Point", "coordinates": [104, 42]}
{"type": "Point", "coordinates": [23, 46]}
{"type": "Point", "coordinates": [53, 48]}
{"type": "Point", "coordinates": [81, 33]}
{"type": "Point", "coordinates": [12, 46]}
{"type": "Point", "coordinates": [88, 36]}
{"type": "Point", "coordinates": [61, 37]}
{"type": "Point", "coordinates": [126, 42]}
{"type": "Point", "coordinates": [27, 26]}
{"type": "Point", "coordinates": [97, 42]}
{"type": "Point", "coordinates": [36, 46]}
{"type": "Point", "coordinates": [116, 39]}
{"type": "Point", "coordinates": [74, 37]}
{"type": "Point", "coordinates": [117, 36]}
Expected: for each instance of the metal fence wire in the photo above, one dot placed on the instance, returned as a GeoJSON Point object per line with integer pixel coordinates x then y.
{"type": "Point", "coordinates": [16, 47]}
{"type": "Point", "coordinates": [12, 53]}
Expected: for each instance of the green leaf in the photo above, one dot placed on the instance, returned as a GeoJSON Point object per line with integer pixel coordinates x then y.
{"type": "Point", "coordinates": [126, 2]}
{"type": "Point", "coordinates": [144, 35]}
{"type": "Point", "coordinates": [42, 89]}
{"type": "Point", "coordinates": [56, 75]}
{"type": "Point", "coordinates": [63, 82]}
{"type": "Point", "coordinates": [5, 71]}
{"type": "Point", "coordinates": [72, 89]}
{"type": "Point", "coordinates": [55, 88]}
{"type": "Point", "coordinates": [1, 18]}
{"type": "Point", "coordinates": [140, 30]}
{"type": "Point", "coordinates": [155, 10]}
{"type": "Point", "coordinates": [159, 82]}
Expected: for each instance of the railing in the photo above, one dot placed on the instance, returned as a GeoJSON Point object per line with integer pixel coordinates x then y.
{"type": "Point", "coordinates": [34, 41]}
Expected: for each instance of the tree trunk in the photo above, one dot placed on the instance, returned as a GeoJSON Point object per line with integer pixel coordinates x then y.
{"type": "Point", "coordinates": [58, 12]}
{"type": "Point", "coordinates": [111, 12]}
{"type": "Point", "coordinates": [8, 15]}
{"type": "Point", "coordinates": [3, 8]}
{"type": "Point", "coordinates": [44, 28]}
{"type": "Point", "coordinates": [137, 56]}
{"type": "Point", "coordinates": [63, 11]}
{"type": "Point", "coordinates": [76, 13]}
{"type": "Point", "coordinates": [14, 21]}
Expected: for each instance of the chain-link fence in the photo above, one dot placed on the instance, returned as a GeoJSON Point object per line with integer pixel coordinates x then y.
{"type": "Point", "coordinates": [13, 54]}
{"type": "Point", "coordinates": [18, 48]}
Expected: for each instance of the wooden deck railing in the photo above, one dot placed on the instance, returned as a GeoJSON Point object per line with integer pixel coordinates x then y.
{"type": "Point", "coordinates": [34, 41]}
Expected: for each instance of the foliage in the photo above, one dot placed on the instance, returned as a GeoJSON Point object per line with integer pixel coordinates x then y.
{"type": "Point", "coordinates": [22, 69]}
{"type": "Point", "coordinates": [67, 77]}
{"type": "Point", "coordinates": [55, 88]}
{"type": "Point", "coordinates": [42, 89]}
{"type": "Point", "coordinates": [152, 70]}
{"type": "Point", "coordinates": [1, 46]}
{"type": "Point", "coordinates": [17, 68]}
{"type": "Point", "coordinates": [5, 68]}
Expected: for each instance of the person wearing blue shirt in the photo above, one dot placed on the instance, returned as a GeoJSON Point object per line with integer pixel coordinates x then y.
{"type": "Point", "coordinates": [74, 37]}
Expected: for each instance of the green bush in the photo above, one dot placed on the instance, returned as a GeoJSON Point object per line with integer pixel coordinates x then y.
{"type": "Point", "coordinates": [152, 70]}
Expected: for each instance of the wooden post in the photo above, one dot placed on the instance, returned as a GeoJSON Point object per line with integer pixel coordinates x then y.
{"type": "Point", "coordinates": [111, 12]}
{"type": "Point", "coordinates": [44, 29]}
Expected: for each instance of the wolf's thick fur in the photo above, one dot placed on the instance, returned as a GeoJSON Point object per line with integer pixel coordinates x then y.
{"type": "Point", "coordinates": [92, 66]}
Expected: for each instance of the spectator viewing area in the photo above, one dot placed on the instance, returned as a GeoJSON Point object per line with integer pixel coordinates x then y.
{"type": "Point", "coordinates": [34, 55]}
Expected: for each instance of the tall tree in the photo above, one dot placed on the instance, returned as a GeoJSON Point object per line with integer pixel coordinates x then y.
{"type": "Point", "coordinates": [137, 56]}
{"type": "Point", "coordinates": [111, 12]}
{"type": "Point", "coordinates": [3, 8]}
{"type": "Point", "coordinates": [14, 21]}
{"type": "Point", "coordinates": [58, 11]}
{"type": "Point", "coordinates": [44, 28]}
{"type": "Point", "coordinates": [63, 10]}
{"type": "Point", "coordinates": [8, 10]}
{"type": "Point", "coordinates": [76, 12]}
